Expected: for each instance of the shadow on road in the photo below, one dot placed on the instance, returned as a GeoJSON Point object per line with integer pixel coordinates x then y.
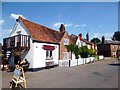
{"type": "Point", "coordinates": [97, 73]}
{"type": "Point", "coordinates": [117, 64]}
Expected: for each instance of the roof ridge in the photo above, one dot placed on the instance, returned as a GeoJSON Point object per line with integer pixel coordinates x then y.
{"type": "Point", "coordinates": [41, 32]}
{"type": "Point", "coordinates": [37, 23]}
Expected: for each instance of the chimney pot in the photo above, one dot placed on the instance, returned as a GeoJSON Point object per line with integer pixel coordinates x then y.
{"type": "Point", "coordinates": [103, 39]}
{"type": "Point", "coordinates": [80, 35]}
{"type": "Point", "coordinates": [62, 28]}
{"type": "Point", "coordinates": [17, 20]}
{"type": "Point", "coordinates": [87, 37]}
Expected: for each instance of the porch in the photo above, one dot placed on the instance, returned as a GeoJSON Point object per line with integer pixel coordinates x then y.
{"type": "Point", "coordinates": [16, 42]}
{"type": "Point", "coordinates": [15, 46]}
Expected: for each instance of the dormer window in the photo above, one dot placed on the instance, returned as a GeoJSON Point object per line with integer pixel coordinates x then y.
{"type": "Point", "coordinates": [66, 41]}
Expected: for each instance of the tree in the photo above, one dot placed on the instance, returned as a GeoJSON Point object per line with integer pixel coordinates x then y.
{"type": "Point", "coordinates": [70, 47]}
{"type": "Point", "coordinates": [0, 49]}
{"type": "Point", "coordinates": [91, 52]}
{"type": "Point", "coordinates": [116, 36]}
{"type": "Point", "coordinates": [84, 51]}
{"type": "Point", "coordinates": [74, 49]}
{"type": "Point", "coordinates": [95, 40]}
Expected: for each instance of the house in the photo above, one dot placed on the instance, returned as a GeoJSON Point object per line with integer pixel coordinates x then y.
{"type": "Point", "coordinates": [108, 48]}
{"type": "Point", "coordinates": [40, 45]}
{"type": "Point", "coordinates": [85, 42]}
{"type": "Point", "coordinates": [36, 43]}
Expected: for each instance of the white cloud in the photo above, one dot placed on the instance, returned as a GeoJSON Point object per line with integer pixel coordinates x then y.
{"type": "Point", "coordinates": [83, 25]}
{"type": "Point", "coordinates": [0, 32]}
{"type": "Point", "coordinates": [67, 25]}
{"type": "Point", "coordinates": [5, 32]}
{"type": "Point", "coordinates": [15, 16]}
{"type": "Point", "coordinates": [108, 36]}
{"type": "Point", "coordinates": [1, 22]}
{"type": "Point", "coordinates": [77, 25]}
{"type": "Point", "coordinates": [57, 25]}
{"type": "Point", "coordinates": [96, 35]}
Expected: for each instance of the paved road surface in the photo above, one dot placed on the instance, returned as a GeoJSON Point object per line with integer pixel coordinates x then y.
{"type": "Point", "coordinates": [101, 74]}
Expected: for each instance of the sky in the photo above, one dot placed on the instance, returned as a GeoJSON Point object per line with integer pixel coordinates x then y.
{"type": "Point", "coordinates": [95, 18]}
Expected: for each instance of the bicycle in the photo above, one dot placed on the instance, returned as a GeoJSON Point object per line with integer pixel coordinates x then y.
{"type": "Point", "coordinates": [18, 78]}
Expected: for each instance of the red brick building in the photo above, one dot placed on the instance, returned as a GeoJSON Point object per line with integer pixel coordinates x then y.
{"type": "Point", "coordinates": [108, 48]}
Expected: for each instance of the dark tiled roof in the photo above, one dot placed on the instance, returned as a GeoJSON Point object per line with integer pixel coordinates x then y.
{"type": "Point", "coordinates": [45, 34]}
{"type": "Point", "coordinates": [111, 42]}
{"type": "Point", "coordinates": [84, 40]}
{"type": "Point", "coordinates": [73, 39]}
{"type": "Point", "coordinates": [42, 33]}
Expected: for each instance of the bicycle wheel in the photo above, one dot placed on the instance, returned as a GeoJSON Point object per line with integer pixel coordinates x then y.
{"type": "Point", "coordinates": [12, 84]}
{"type": "Point", "coordinates": [19, 86]}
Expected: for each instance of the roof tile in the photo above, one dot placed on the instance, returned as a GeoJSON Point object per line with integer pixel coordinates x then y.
{"type": "Point", "coordinates": [42, 33]}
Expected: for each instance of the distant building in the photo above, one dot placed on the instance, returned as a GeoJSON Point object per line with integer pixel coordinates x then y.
{"type": "Point", "coordinates": [108, 48]}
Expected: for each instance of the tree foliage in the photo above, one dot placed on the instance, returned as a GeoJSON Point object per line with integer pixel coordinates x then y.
{"type": "Point", "coordinates": [70, 47]}
{"type": "Point", "coordinates": [95, 40]}
{"type": "Point", "coordinates": [116, 36]}
{"type": "Point", "coordinates": [91, 52]}
{"type": "Point", "coordinates": [84, 51]}
{"type": "Point", "coordinates": [74, 49]}
{"type": "Point", "coordinates": [0, 49]}
{"type": "Point", "coordinates": [0, 46]}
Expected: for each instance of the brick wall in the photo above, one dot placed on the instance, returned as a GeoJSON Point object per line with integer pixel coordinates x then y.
{"type": "Point", "coordinates": [63, 47]}
{"type": "Point", "coordinates": [107, 49]}
{"type": "Point", "coordinates": [104, 49]}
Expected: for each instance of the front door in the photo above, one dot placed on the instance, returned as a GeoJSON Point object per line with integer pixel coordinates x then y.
{"type": "Point", "coordinates": [16, 59]}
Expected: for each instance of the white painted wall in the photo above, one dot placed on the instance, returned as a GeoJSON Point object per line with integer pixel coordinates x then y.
{"type": "Point", "coordinates": [25, 54]}
{"type": "Point", "coordinates": [36, 55]}
{"type": "Point", "coordinates": [78, 42]}
{"type": "Point", "coordinates": [64, 63]}
{"type": "Point", "coordinates": [18, 27]}
{"type": "Point", "coordinates": [80, 61]}
{"type": "Point", "coordinates": [29, 55]}
{"type": "Point", "coordinates": [89, 46]}
{"type": "Point", "coordinates": [40, 55]}
{"type": "Point", "coordinates": [73, 56]}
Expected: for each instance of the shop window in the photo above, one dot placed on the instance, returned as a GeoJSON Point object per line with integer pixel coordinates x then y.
{"type": "Point", "coordinates": [49, 54]}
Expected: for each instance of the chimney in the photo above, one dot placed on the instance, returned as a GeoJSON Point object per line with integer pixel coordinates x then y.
{"type": "Point", "coordinates": [103, 39]}
{"type": "Point", "coordinates": [62, 28]}
{"type": "Point", "coordinates": [87, 37]}
{"type": "Point", "coordinates": [80, 35]}
{"type": "Point", "coordinates": [17, 20]}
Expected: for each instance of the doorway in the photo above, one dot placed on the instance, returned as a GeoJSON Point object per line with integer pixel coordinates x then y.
{"type": "Point", "coordinates": [16, 59]}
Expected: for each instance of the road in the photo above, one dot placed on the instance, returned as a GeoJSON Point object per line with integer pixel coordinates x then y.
{"type": "Point", "coordinates": [100, 74]}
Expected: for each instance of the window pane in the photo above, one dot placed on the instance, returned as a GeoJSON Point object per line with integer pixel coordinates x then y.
{"type": "Point", "coordinates": [65, 55]}
{"type": "Point", "coordinates": [50, 53]}
{"type": "Point", "coordinates": [47, 54]}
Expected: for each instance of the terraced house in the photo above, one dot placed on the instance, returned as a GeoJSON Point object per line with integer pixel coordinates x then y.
{"type": "Point", "coordinates": [40, 45]}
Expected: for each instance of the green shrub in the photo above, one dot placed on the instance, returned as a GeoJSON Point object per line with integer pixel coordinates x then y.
{"type": "Point", "coordinates": [91, 52]}
{"type": "Point", "coordinates": [84, 51]}
{"type": "Point", "coordinates": [74, 49]}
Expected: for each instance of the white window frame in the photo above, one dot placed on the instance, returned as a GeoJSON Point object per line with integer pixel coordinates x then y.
{"type": "Point", "coordinates": [66, 41]}
{"type": "Point", "coordinates": [67, 55]}
{"type": "Point", "coordinates": [49, 57]}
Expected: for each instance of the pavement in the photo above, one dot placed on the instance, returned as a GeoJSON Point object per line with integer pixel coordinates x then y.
{"type": "Point", "coordinates": [100, 74]}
